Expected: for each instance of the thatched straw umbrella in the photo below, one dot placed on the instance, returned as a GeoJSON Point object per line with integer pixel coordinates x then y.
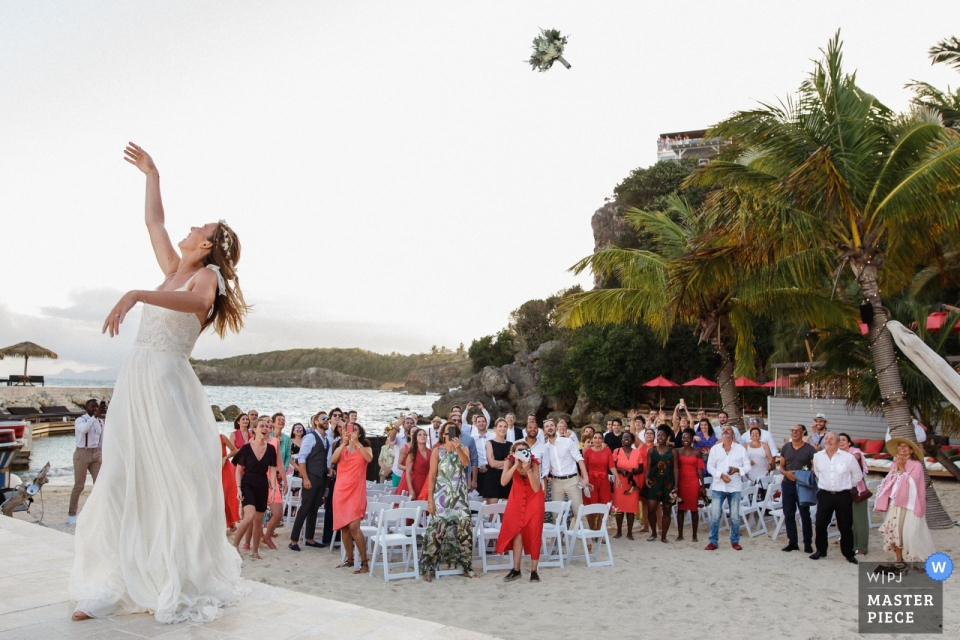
{"type": "Point", "coordinates": [27, 350]}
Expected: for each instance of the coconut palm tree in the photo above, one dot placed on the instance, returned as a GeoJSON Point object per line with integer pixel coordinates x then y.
{"type": "Point", "coordinates": [947, 51]}
{"type": "Point", "coordinates": [835, 171]}
{"type": "Point", "coordinates": [946, 103]}
{"type": "Point", "coordinates": [671, 285]}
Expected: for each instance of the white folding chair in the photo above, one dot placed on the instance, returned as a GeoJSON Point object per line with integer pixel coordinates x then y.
{"type": "Point", "coordinates": [551, 554]}
{"type": "Point", "coordinates": [368, 527]}
{"type": "Point", "coordinates": [752, 506]}
{"type": "Point", "coordinates": [487, 530]}
{"type": "Point", "coordinates": [581, 531]}
{"type": "Point", "coordinates": [421, 524]}
{"type": "Point", "coordinates": [291, 500]}
{"type": "Point", "coordinates": [773, 499]}
{"type": "Point", "coordinates": [393, 534]}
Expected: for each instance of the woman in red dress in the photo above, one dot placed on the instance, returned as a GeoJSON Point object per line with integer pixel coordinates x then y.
{"type": "Point", "coordinates": [350, 493]}
{"type": "Point", "coordinates": [521, 528]}
{"type": "Point", "coordinates": [599, 461]}
{"type": "Point", "coordinates": [690, 482]}
{"type": "Point", "coordinates": [242, 433]}
{"type": "Point", "coordinates": [418, 463]}
{"type": "Point", "coordinates": [628, 462]}
{"type": "Point", "coordinates": [228, 478]}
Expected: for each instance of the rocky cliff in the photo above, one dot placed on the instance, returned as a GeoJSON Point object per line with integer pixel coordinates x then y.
{"type": "Point", "coordinates": [438, 378]}
{"type": "Point", "coordinates": [512, 388]}
{"type": "Point", "coordinates": [310, 378]}
{"type": "Point", "coordinates": [610, 228]}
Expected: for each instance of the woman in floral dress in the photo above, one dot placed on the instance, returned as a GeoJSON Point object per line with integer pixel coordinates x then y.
{"type": "Point", "coordinates": [449, 535]}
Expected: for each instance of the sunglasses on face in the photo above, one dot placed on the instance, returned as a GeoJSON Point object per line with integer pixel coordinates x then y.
{"type": "Point", "coordinates": [324, 419]}
{"type": "Point", "coordinates": [336, 415]}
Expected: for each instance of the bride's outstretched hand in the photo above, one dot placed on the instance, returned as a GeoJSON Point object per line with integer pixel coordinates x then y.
{"type": "Point", "coordinates": [139, 158]}
{"type": "Point", "coordinates": [119, 312]}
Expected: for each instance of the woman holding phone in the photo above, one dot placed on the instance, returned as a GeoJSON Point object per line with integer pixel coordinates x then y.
{"type": "Point", "coordinates": [521, 528]}
{"type": "Point", "coordinates": [350, 497]}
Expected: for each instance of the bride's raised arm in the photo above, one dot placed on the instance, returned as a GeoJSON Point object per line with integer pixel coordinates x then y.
{"type": "Point", "coordinates": [167, 256]}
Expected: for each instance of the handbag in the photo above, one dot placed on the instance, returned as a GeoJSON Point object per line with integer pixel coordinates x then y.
{"type": "Point", "coordinates": [860, 495]}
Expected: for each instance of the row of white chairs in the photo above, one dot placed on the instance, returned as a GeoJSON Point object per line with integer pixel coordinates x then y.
{"type": "Point", "coordinates": [393, 537]}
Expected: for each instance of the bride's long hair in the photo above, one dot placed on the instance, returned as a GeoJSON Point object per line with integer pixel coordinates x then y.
{"type": "Point", "coordinates": [230, 308]}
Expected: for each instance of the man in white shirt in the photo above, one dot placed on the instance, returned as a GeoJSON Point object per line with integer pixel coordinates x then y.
{"type": "Point", "coordinates": [765, 436]}
{"type": "Point", "coordinates": [566, 468]}
{"type": "Point", "coordinates": [532, 424]}
{"type": "Point", "coordinates": [88, 429]}
{"type": "Point", "coordinates": [726, 462]}
{"type": "Point", "coordinates": [433, 433]}
{"type": "Point", "coordinates": [837, 473]}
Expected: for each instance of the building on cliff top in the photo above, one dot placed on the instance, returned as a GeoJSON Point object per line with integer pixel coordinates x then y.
{"type": "Point", "coordinates": [689, 144]}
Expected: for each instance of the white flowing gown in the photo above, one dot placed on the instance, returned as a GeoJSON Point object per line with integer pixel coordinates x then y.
{"type": "Point", "coordinates": [151, 536]}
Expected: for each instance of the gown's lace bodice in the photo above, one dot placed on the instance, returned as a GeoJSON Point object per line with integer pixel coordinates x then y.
{"type": "Point", "coordinates": [170, 331]}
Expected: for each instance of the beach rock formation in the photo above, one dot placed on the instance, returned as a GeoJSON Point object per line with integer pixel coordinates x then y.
{"type": "Point", "coordinates": [582, 411]}
{"type": "Point", "coordinates": [494, 382]}
{"type": "Point", "coordinates": [312, 378]}
{"type": "Point", "coordinates": [438, 378]}
{"type": "Point", "coordinates": [512, 388]}
{"type": "Point", "coordinates": [217, 414]}
{"type": "Point", "coordinates": [230, 413]}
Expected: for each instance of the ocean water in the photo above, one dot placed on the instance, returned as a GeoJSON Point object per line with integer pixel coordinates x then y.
{"type": "Point", "coordinates": [375, 409]}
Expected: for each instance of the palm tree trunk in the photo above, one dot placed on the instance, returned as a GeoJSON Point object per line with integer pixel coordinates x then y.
{"type": "Point", "coordinates": [896, 409]}
{"type": "Point", "coordinates": [728, 390]}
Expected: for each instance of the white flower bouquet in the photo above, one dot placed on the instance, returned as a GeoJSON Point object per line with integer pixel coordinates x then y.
{"type": "Point", "coordinates": [547, 48]}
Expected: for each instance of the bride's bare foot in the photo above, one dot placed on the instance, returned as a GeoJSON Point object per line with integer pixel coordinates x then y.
{"type": "Point", "coordinates": [80, 615]}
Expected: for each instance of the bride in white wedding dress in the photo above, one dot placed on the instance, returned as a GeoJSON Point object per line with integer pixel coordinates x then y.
{"type": "Point", "coordinates": [151, 535]}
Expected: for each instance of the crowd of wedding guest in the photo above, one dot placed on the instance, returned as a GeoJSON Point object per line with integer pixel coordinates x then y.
{"type": "Point", "coordinates": [642, 470]}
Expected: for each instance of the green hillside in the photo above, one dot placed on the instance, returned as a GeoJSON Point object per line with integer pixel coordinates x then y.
{"type": "Point", "coordinates": [356, 362]}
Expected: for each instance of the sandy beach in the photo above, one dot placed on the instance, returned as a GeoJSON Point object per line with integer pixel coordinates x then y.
{"type": "Point", "coordinates": [671, 590]}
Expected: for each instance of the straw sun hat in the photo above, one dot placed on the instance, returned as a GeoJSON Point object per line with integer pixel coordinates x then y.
{"type": "Point", "coordinates": [893, 443]}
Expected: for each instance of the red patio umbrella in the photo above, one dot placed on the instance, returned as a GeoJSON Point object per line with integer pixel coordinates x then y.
{"type": "Point", "coordinates": [700, 382]}
{"type": "Point", "coordinates": [742, 382]}
{"type": "Point", "coordinates": [781, 383]}
{"type": "Point", "coordinates": [660, 382]}
{"type": "Point", "coordinates": [935, 322]}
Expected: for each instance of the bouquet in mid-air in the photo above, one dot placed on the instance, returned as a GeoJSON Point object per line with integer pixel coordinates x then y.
{"type": "Point", "coordinates": [547, 48]}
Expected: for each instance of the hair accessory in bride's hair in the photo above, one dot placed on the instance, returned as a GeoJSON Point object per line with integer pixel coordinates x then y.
{"type": "Point", "coordinates": [225, 245]}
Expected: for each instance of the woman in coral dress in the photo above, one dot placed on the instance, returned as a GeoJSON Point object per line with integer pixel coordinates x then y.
{"type": "Point", "coordinates": [231, 506]}
{"type": "Point", "coordinates": [350, 493]}
{"type": "Point", "coordinates": [690, 483]}
{"type": "Point", "coordinates": [521, 528]}
{"type": "Point", "coordinates": [628, 462]}
{"type": "Point", "coordinates": [599, 462]}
